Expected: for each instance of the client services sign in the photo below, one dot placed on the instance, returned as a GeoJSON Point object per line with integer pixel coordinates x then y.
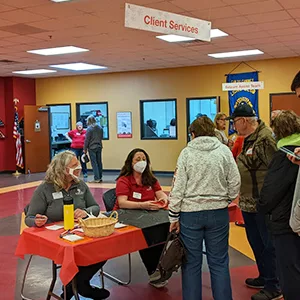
{"type": "Point", "coordinates": [149, 19]}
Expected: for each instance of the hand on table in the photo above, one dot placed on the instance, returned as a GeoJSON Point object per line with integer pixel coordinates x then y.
{"type": "Point", "coordinates": [175, 226]}
{"type": "Point", "coordinates": [293, 159]}
{"type": "Point", "coordinates": [79, 213]}
{"type": "Point", "coordinates": [149, 205]}
{"type": "Point", "coordinates": [40, 220]}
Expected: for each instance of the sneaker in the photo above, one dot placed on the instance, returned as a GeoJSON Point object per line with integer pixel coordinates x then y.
{"type": "Point", "coordinates": [159, 284]}
{"type": "Point", "coordinates": [154, 276]}
{"type": "Point", "coordinates": [267, 295]}
{"type": "Point", "coordinates": [255, 283]}
{"type": "Point", "coordinates": [85, 175]}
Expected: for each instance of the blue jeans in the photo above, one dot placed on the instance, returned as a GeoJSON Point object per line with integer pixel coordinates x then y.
{"type": "Point", "coordinates": [78, 153]}
{"type": "Point", "coordinates": [96, 161]}
{"type": "Point", "coordinates": [212, 227]}
{"type": "Point", "coordinates": [263, 249]}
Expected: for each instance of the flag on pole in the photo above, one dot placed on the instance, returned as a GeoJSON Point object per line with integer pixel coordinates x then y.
{"type": "Point", "coordinates": [17, 136]}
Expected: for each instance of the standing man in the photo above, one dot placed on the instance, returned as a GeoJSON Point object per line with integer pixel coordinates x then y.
{"type": "Point", "coordinates": [93, 144]}
{"type": "Point", "coordinates": [258, 149]}
{"type": "Point", "coordinates": [77, 137]}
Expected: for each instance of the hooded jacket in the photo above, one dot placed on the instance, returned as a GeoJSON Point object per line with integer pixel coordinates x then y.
{"type": "Point", "coordinates": [206, 178]}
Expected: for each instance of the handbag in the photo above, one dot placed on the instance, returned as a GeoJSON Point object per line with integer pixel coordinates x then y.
{"type": "Point", "coordinates": [172, 257]}
{"type": "Point", "coordinates": [84, 158]}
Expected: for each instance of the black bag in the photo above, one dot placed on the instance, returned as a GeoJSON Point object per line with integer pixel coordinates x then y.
{"type": "Point", "coordinates": [85, 158]}
{"type": "Point", "coordinates": [172, 257]}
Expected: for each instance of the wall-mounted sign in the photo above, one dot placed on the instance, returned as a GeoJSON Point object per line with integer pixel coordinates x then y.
{"type": "Point", "coordinates": [244, 85]}
{"type": "Point", "coordinates": [37, 126]}
{"type": "Point", "coordinates": [150, 19]}
{"type": "Point", "coordinates": [124, 124]}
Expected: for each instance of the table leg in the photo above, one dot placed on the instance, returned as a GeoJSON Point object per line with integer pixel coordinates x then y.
{"type": "Point", "coordinates": [54, 277]}
{"type": "Point", "coordinates": [74, 288]}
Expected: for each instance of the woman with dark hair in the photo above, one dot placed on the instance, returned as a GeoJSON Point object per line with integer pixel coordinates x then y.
{"type": "Point", "coordinates": [276, 200]}
{"type": "Point", "coordinates": [137, 188]}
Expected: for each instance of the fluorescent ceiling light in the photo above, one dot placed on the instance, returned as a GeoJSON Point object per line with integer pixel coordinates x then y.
{"type": "Point", "coordinates": [58, 50]}
{"type": "Point", "coordinates": [217, 33]}
{"type": "Point", "coordinates": [60, 0]}
{"type": "Point", "coordinates": [236, 53]}
{"type": "Point", "coordinates": [173, 38]}
{"type": "Point", "coordinates": [32, 72]}
{"type": "Point", "coordinates": [78, 67]}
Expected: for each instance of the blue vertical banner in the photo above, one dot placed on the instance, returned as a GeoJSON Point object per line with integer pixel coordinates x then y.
{"type": "Point", "coordinates": [244, 96]}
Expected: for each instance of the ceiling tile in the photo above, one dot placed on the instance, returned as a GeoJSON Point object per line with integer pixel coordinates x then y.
{"type": "Point", "coordinates": [21, 16]}
{"type": "Point", "coordinates": [22, 3]}
{"type": "Point", "coordinates": [286, 31]}
{"type": "Point", "coordinates": [269, 17]}
{"type": "Point", "coordinates": [294, 12]}
{"type": "Point", "coordinates": [253, 35]}
{"type": "Point", "coordinates": [232, 2]}
{"type": "Point", "coordinates": [278, 25]}
{"type": "Point", "coordinates": [198, 5]}
{"type": "Point", "coordinates": [290, 3]}
{"type": "Point", "coordinates": [229, 22]}
{"type": "Point", "coordinates": [241, 29]}
{"type": "Point", "coordinates": [216, 13]}
{"type": "Point", "coordinates": [255, 8]}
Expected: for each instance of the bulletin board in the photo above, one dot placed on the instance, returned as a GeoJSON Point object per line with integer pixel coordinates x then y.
{"type": "Point", "coordinates": [61, 120]}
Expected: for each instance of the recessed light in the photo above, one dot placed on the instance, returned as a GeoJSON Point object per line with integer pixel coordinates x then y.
{"type": "Point", "coordinates": [78, 67]}
{"type": "Point", "coordinates": [217, 33]}
{"type": "Point", "coordinates": [32, 72]}
{"type": "Point", "coordinates": [60, 1]}
{"type": "Point", "coordinates": [173, 38]}
{"type": "Point", "coordinates": [58, 50]}
{"type": "Point", "coordinates": [236, 53]}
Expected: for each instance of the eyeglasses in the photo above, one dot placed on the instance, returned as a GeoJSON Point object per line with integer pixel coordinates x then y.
{"type": "Point", "coordinates": [234, 121]}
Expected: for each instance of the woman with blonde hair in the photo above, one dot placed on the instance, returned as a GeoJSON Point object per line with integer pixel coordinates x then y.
{"type": "Point", "coordinates": [220, 124]}
{"type": "Point", "coordinates": [46, 206]}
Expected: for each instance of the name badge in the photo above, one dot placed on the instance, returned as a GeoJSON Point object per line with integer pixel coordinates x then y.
{"type": "Point", "coordinates": [77, 133]}
{"type": "Point", "coordinates": [57, 195]}
{"type": "Point", "coordinates": [137, 195]}
{"type": "Point", "coordinates": [249, 152]}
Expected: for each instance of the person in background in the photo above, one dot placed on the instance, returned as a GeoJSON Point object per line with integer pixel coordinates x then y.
{"type": "Point", "coordinates": [93, 144]}
{"type": "Point", "coordinates": [220, 123]}
{"type": "Point", "coordinates": [77, 137]}
{"type": "Point", "coordinates": [275, 202]}
{"type": "Point", "coordinates": [237, 146]}
{"type": "Point", "coordinates": [46, 206]}
{"type": "Point", "coordinates": [206, 180]}
{"type": "Point", "coordinates": [137, 188]}
{"type": "Point", "coordinates": [257, 152]}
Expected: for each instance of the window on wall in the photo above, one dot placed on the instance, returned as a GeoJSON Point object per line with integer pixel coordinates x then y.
{"type": "Point", "coordinates": [201, 106]}
{"type": "Point", "coordinates": [99, 110]}
{"type": "Point", "coordinates": [158, 119]}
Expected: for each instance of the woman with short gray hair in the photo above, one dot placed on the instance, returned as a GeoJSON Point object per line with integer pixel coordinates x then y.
{"type": "Point", "coordinates": [93, 144]}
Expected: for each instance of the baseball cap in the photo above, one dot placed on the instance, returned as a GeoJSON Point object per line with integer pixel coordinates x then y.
{"type": "Point", "coordinates": [242, 110]}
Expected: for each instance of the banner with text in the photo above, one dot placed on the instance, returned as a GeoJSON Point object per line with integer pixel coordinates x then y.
{"type": "Point", "coordinates": [249, 96]}
{"type": "Point", "coordinates": [150, 19]}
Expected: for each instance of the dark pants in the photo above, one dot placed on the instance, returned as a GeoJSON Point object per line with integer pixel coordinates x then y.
{"type": "Point", "coordinates": [261, 242]}
{"type": "Point", "coordinates": [287, 248]}
{"type": "Point", "coordinates": [150, 257]}
{"type": "Point", "coordinates": [96, 161]}
{"type": "Point", "coordinates": [83, 278]}
{"type": "Point", "coordinates": [212, 227]}
{"type": "Point", "coordinates": [78, 153]}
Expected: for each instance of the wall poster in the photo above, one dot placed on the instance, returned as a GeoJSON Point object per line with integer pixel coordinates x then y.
{"type": "Point", "coordinates": [124, 124]}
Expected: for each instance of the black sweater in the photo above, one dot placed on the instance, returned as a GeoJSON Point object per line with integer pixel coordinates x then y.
{"type": "Point", "coordinates": [277, 193]}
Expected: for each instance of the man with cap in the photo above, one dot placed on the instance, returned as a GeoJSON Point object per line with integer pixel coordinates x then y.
{"type": "Point", "coordinates": [77, 137]}
{"type": "Point", "coordinates": [258, 149]}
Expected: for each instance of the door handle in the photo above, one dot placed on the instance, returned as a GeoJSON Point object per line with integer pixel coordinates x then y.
{"type": "Point", "coordinates": [28, 141]}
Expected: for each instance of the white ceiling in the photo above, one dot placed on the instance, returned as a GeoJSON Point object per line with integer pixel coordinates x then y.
{"type": "Point", "coordinates": [272, 26]}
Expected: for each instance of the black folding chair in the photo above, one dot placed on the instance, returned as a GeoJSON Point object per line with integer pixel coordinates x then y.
{"type": "Point", "coordinates": [109, 199]}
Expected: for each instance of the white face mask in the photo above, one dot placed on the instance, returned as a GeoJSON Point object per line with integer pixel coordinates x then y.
{"type": "Point", "coordinates": [71, 172]}
{"type": "Point", "coordinates": [140, 166]}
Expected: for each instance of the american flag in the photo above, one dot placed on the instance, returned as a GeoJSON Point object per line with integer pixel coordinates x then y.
{"type": "Point", "coordinates": [17, 136]}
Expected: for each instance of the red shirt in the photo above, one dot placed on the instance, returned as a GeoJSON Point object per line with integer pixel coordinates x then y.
{"type": "Point", "coordinates": [237, 146]}
{"type": "Point", "coordinates": [127, 186]}
{"type": "Point", "coordinates": [77, 138]}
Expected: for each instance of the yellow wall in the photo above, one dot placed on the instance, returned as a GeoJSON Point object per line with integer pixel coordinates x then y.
{"type": "Point", "coordinates": [124, 90]}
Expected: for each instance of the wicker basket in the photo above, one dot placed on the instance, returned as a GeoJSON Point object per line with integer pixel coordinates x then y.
{"type": "Point", "coordinates": [97, 227]}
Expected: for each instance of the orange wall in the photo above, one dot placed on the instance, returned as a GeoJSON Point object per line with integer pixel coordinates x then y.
{"type": "Point", "coordinates": [124, 90]}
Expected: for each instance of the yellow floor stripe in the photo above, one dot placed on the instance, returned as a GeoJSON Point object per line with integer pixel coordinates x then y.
{"type": "Point", "coordinates": [19, 187]}
{"type": "Point", "coordinates": [238, 240]}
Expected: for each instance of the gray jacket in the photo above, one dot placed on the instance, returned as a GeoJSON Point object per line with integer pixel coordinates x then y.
{"type": "Point", "coordinates": [93, 137]}
{"type": "Point", "coordinates": [46, 200]}
{"type": "Point", "coordinates": [295, 213]}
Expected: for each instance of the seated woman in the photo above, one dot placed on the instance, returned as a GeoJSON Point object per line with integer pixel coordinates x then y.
{"type": "Point", "coordinates": [46, 206]}
{"type": "Point", "coordinates": [276, 200]}
{"type": "Point", "coordinates": [205, 181]}
{"type": "Point", "coordinates": [137, 188]}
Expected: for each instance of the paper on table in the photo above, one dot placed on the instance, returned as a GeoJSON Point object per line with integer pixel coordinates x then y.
{"type": "Point", "coordinates": [54, 227]}
{"type": "Point", "coordinates": [120, 225]}
{"type": "Point", "coordinates": [72, 237]}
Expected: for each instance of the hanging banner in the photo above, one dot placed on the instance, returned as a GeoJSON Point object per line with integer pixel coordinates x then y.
{"type": "Point", "coordinates": [249, 96]}
{"type": "Point", "coordinates": [149, 19]}
{"type": "Point", "coordinates": [124, 124]}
